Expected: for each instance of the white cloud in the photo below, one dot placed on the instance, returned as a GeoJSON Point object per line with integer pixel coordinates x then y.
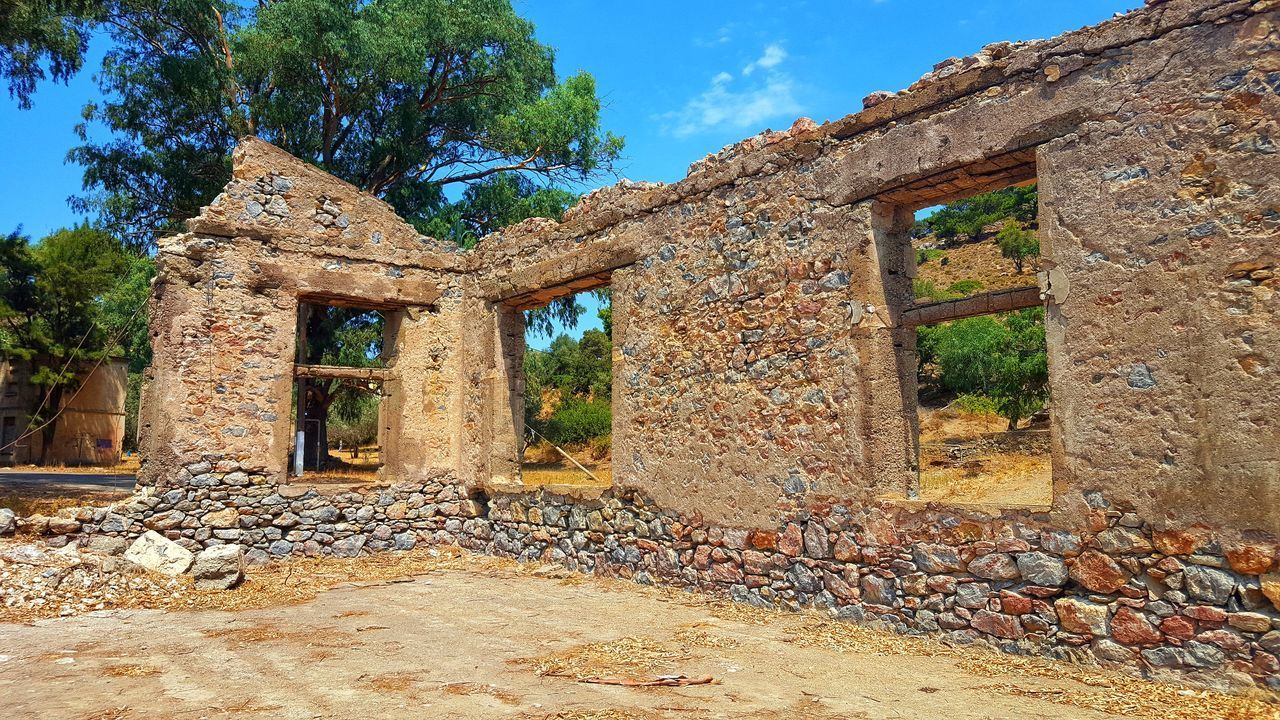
{"type": "Point", "coordinates": [739, 104]}
{"type": "Point", "coordinates": [772, 57]}
{"type": "Point", "coordinates": [721, 36]}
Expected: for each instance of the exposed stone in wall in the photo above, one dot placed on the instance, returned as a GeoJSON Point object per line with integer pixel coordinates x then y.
{"type": "Point", "coordinates": [1176, 603]}
{"type": "Point", "coordinates": [764, 439]}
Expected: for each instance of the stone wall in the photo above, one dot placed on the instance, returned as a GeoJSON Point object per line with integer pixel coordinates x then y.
{"type": "Point", "coordinates": [764, 439]}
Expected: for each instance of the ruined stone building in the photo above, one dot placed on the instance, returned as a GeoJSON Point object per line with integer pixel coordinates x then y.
{"type": "Point", "coordinates": [764, 431]}
{"type": "Point", "coordinates": [90, 425]}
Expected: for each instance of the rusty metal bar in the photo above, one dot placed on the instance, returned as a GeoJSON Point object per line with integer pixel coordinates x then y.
{"type": "Point", "coordinates": [984, 304]}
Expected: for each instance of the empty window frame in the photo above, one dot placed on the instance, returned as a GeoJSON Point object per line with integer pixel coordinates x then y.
{"type": "Point", "coordinates": [339, 384]}
{"type": "Point", "coordinates": [982, 399]}
{"type": "Point", "coordinates": [567, 381]}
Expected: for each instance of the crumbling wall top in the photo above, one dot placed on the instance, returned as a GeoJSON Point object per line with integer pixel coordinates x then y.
{"type": "Point", "coordinates": [277, 198]}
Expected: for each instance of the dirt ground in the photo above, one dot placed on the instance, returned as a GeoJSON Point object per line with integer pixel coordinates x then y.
{"type": "Point", "coordinates": [482, 638]}
{"type": "Point", "coordinates": [993, 476]}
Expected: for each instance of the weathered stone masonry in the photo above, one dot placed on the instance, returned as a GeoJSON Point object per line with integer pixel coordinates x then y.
{"type": "Point", "coordinates": [763, 436]}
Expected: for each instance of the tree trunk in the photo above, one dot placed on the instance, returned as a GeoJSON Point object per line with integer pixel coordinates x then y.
{"type": "Point", "coordinates": [48, 431]}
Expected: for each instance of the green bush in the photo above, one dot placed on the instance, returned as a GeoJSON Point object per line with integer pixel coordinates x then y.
{"type": "Point", "coordinates": [1017, 244]}
{"type": "Point", "coordinates": [1001, 357]}
{"type": "Point", "coordinates": [578, 421]}
{"type": "Point", "coordinates": [976, 404]}
{"type": "Point", "coordinates": [924, 255]}
{"type": "Point", "coordinates": [929, 290]}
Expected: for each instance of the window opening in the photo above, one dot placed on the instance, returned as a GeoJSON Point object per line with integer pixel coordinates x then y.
{"type": "Point", "coordinates": [568, 391]}
{"type": "Point", "coordinates": [339, 385]}
{"type": "Point", "coordinates": [982, 381]}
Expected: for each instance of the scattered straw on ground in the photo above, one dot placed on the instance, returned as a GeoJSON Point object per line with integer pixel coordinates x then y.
{"type": "Point", "coordinates": [120, 713]}
{"type": "Point", "coordinates": [607, 714]}
{"type": "Point", "coordinates": [51, 500]}
{"type": "Point", "coordinates": [625, 657]}
{"type": "Point", "coordinates": [300, 580]}
{"type": "Point", "coordinates": [1114, 693]}
{"type": "Point", "coordinates": [280, 583]}
{"type": "Point", "coordinates": [390, 682]}
{"type": "Point", "coordinates": [130, 670]}
{"type": "Point", "coordinates": [815, 631]}
{"type": "Point", "coordinates": [699, 635]}
{"type": "Point", "coordinates": [469, 688]}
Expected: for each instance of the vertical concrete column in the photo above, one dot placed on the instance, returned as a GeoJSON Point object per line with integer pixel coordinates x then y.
{"type": "Point", "coordinates": [886, 350]}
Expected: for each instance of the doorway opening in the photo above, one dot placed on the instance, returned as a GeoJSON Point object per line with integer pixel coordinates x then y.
{"type": "Point", "coordinates": [568, 390]}
{"type": "Point", "coordinates": [981, 372]}
{"type": "Point", "coordinates": [339, 387]}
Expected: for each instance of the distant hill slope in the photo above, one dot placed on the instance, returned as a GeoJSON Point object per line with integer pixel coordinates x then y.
{"type": "Point", "coordinates": [970, 258]}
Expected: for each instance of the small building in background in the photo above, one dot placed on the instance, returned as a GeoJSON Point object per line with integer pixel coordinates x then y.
{"type": "Point", "coordinates": [90, 428]}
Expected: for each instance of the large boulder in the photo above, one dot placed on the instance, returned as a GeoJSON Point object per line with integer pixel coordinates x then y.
{"type": "Point", "coordinates": [157, 553]}
{"type": "Point", "coordinates": [8, 521]}
{"type": "Point", "coordinates": [220, 567]}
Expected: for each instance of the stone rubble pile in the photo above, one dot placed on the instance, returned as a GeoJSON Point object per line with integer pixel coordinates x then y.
{"type": "Point", "coordinates": [105, 572]}
{"type": "Point", "coordinates": [36, 580]}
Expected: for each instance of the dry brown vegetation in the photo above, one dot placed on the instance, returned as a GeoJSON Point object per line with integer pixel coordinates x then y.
{"type": "Point", "coordinates": [49, 500]}
{"type": "Point", "coordinates": [979, 259]}
{"type": "Point", "coordinates": [992, 476]}
{"type": "Point", "coordinates": [543, 465]}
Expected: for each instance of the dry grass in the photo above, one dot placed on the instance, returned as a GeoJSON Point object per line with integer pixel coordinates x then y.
{"type": "Point", "coordinates": [286, 582]}
{"type": "Point", "coordinates": [993, 477]}
{"type": "Point", "coordinates": [997, 478]}
{"type": "Point", "coordinates": [50, 501]}
{"type": "Point", "coordinates": [469, 688]}
{"type": "Point", "coordinates": [391, 682]}
{"type": "Point", "coordinates": [126, 466]}
{"type": "Point", "coordinates": [606, 714]}
{"type": "Point", "coordinates": [312, 637]}
{"type": "Point", "coordinates": [979, 260]}
{"type": "Point", "coordinates": [120, 713]}
{"type": "Point", "coordinates": [1114, 693]}
{"type": "Point", "coordinates": [625, 657]}
{"type": "Point", "coordinates": [697, 635]}
{"type": "Point", "coordinates": [939, 424]}
{"type": "Point", "coordinates": [537, 474]}
{"type": "Point", "coordinates": [130, 671]}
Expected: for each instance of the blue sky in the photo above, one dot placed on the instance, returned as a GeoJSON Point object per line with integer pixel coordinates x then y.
{"type": "Point", "coordinates": [678, 79]}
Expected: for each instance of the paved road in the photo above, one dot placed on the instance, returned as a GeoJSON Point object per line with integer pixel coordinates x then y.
{"type": "Point", "coordinates": [14, 480]}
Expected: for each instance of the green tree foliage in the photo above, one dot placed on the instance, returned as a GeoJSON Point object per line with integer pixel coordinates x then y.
{"type": "Point", "coordinates": [577, 420]}
{"type": "Point", "coordinates": [51, 310]}
{"type": "Point", "coordinates": [124, 311]}
{"type": "Point", "coordinates": [490, 204]}
{"type": "Point", "coordinates": [605, 313]}
{"type": "Point", "coordinates": [582, 373]}
{"type": "Point", "coordinates": [400, 97]}
{"type": "Point", "coordinates": [1001, 357]}
{"type": "Point", "coordinates": [967, 217]}
{"type": "Point", "coordinates": [1017, 244]}
{"type": "Point", "coordinates": [39, 40]}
